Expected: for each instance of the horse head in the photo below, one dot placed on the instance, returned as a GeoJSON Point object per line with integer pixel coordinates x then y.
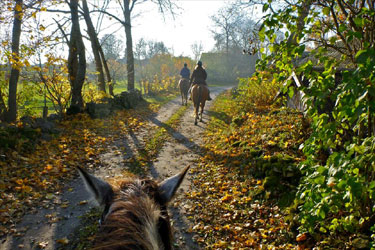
{"type": "Point", "coordinates": [135, 212]}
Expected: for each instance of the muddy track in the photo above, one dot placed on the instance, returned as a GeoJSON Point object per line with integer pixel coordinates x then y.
{"type": "Point", "coordinates": [58, 219]}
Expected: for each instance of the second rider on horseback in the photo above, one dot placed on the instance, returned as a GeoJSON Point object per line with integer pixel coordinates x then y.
{"type": "Point", "coordinates": [199, 76]}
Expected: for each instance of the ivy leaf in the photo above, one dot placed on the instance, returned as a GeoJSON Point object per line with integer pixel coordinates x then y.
{"type": "Point", "coordinates": [362, 56]}
{"type": "Point", "coordinates": [265, 7]}
{"type": "Point", "coordinates": [359, 21]}
{"type": "Point", "coordinates": [291, 91]}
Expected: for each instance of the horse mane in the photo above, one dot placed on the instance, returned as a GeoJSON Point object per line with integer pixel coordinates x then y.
{"type": "Point", "coordinates": [136, 219]}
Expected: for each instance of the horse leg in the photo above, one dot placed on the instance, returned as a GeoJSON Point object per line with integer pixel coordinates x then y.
{"type": "Point", "coordinates": [196, 115]}
{"type": "Point", "coordinates": [201, 113]}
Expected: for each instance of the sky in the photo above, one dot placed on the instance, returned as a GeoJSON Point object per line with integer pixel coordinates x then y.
{"type": "Point", "coordinates": [191, 25]}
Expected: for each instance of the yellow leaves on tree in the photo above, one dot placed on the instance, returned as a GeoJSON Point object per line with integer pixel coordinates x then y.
{"type": "Point", "coordinates": [42, 28]}
{"type": "Point", "coordinates": [18, 8]}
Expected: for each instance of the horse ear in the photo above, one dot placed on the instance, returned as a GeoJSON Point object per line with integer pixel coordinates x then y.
{"type": "Point", "coordinates": [169, 186]}
{"type": "Point", "coordinates": [98, 188]}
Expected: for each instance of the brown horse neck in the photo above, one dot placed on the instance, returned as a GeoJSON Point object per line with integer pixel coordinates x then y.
{"type": "Point", "coordinates": [136, 221]}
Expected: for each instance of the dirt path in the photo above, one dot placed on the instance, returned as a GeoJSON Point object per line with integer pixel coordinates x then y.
{"type": "Point", "coordinates": [182, 149]}
{"type": "Point", "coordinates": [59, 217]}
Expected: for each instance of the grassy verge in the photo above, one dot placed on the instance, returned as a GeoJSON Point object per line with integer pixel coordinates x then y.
{"type": "Point", "coordinates": [215, 84]}
{"type": "Point", "coordinates": [160, 99]}
{"type": "Point", "coordinates": [34, 105]}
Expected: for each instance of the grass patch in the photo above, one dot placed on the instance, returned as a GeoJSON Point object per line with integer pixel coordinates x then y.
{"type": "Point", "coordinates": [155, 142]}
{"type": "Point", "coordinates": [218, 84]}
{"type": "Point", "coordinates": [84, 235]}
{"type": "Point", "coordinates": [160, 99]}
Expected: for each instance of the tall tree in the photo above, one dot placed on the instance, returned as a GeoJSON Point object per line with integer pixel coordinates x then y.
{"type": "Point", "coordinates": [141, 49]}
{"type": "Point", "coordinates": [127, 7]}
{"type": "Point", "coordinates": [225, 24]}
{"type": "Point", "coordinates": [76, 59]}
{"type": "Point", "coordinates": [15, 72]}
{"type": "Point", "coordinates": [129, 42]}
{"type": "Point", "coordinates": [17, 14]}
{"type": "Point", "coordinates": [112, 47]}
{"type": "Point", "coordinates": [156, 48]}
{"type": "Point", "coordinates": [95, 45]}
{"type": "Point", "coordinates": [197, 49]}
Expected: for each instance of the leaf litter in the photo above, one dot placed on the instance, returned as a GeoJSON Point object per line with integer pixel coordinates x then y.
{"type": "Point", "coordinates": [29, 180]}
{"type": "Point", "coordinates": [246, 180]}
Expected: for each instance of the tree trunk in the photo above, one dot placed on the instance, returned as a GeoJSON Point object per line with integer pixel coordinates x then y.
{"type": "Point", "coordinates": [94, 45]}
{"type": "Point", "coordinates": [305, 8]}
{"type": "Point", "coordinates": [227, 42]}
{"type": "Point", "coordinates": [111, 85]}
{"type": "Point", "coordinates": [11, 115]}
{"type": "Point", "coordinates": [129, 46]}
{"type": "Point", "coordinates": [105, 64]}
{"type": "Point", "coordinates": [3, 108]}
{"type": "Point", "coordinates": [76, 59]}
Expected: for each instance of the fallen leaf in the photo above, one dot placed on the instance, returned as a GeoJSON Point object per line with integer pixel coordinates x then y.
{"type": "Point", "coordinates": [63, 241]}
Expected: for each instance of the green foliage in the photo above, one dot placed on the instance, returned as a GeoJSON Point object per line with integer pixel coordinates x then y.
{"type": "Point", "coordinates": [336, 195]}
{"type": "Point", "coordinates": [259, 90]}
{"type": "Point", "coordinates": [160, 73]}
{"type": "Point", "coordinates": [161, 65]}
{"type": "Point", "coordinates": [339, 195]}
{"type": "Point", "coordinates": [159, 85]}
{"type": "Point", "coordinates": [91, 93]}
{"type": "Point", "coordinates": [28, 99]}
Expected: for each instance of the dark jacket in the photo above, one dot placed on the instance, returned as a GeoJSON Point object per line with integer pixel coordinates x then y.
{"type": "Point", "coordinates": [185, 73]}
{"type": "Point", "coordinates": [199, 76]}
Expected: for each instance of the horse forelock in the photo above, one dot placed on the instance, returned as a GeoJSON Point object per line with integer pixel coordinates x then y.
{"type": "Point", "coordinates": [136, 219]}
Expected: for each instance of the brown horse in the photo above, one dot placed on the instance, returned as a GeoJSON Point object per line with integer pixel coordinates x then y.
{"type": "Point", "coordinates": [135, 212]}
{"type": "Point", "coordinates": [199, 94]}
{"type": "Point", "coordinates": [184, 85]}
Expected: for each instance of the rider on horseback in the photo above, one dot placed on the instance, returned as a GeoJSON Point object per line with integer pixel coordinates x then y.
{"type": "Point", "coordinates": [185, 72]}
{"type": "Point", "coordinates": [199, 76]}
